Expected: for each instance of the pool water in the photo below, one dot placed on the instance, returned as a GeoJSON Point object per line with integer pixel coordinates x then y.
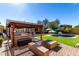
{"type": "Point", "coordinates": [64, 35]}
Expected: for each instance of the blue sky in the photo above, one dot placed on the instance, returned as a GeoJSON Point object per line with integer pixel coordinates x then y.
{"type": "Point", "coordinates": [66, 13]}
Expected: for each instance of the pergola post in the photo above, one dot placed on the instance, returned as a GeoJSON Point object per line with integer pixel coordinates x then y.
{"type": "Point", "coordinates": [9, 32]}
{"type": "Point", "coordinates": [41, 32]}
{"type": "Point", "coordinates": [12, 34]}
{"type": "Point", "coordinates": [12, 38]}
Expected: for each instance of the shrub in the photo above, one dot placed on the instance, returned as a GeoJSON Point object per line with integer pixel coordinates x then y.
{"type": "Point", "coordinates": [1, 40]}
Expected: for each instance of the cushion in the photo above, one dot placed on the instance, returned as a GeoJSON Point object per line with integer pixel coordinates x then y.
{"type": "Point", "coordinates": [43, 49]}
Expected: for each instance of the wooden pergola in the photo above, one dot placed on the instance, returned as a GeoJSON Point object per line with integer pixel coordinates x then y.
{"type": "Point", "coordinates": [11, 25]}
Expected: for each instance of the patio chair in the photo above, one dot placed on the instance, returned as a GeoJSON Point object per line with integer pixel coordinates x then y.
{"type": "Point", "coordinates": [49, 44]}
{"type": "Point", "coordinates": [38, 50]}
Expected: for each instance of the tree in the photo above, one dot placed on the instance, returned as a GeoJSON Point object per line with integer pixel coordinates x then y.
{"type": "Point", "coordinates": [39, 22]}
{"type": "Point", "coordinates": [45, 23]}
{"type": "Point", "coordinates": [1, 28]}
{"type": "Point", "coordinates": [57, 21]}
{"type": "Point", "coordinates": [54, 24]}
{"type": "Point", "coordinates": [66, 28]}
{"type": "Point", "coordinates": [75, 30]}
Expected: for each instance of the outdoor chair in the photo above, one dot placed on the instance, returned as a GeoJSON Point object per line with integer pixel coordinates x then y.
{"type": "Point", "coordinates": [49, 44]}
{"type": "Point", "coordinates": [38, 49]}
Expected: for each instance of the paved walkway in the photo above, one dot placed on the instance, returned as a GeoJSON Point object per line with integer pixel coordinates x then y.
{"type": "Point", "coordinates": [65, 50]}
{"type": "Point", "coordinates": [4, 50]}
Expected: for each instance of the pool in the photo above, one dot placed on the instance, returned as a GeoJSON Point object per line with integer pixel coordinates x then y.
{"type": "Point", "coordinates": [64, 35]}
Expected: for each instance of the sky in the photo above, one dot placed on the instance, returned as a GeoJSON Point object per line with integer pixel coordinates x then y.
{"type": "Point", "coordinates": [67, 13]}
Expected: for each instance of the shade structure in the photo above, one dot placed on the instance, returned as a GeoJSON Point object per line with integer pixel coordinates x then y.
{"type": "Point", "coordinates": [14, 35]}
{"type": "Point", "coordinates": [52, 31]}
{"type": "Point", "coordinates": [48, 29]}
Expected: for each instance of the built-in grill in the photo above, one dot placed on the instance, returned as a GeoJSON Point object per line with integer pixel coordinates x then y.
{"type": "Point", "coordinates": [24, 41]}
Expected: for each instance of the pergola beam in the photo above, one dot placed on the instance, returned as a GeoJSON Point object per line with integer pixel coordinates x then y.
{"type": "Point", "coordinates": [15, 24]}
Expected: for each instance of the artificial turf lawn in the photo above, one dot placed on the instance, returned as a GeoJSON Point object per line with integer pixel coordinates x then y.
{"type": "Point", "coordinates": [65, 40]}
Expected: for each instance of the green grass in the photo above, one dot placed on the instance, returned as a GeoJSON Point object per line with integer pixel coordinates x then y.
{"type": "Point", "coordinates": [68, 41]}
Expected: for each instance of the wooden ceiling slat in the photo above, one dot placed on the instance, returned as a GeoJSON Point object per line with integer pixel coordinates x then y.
{"type": "Point", "coordinates": [22, 25]}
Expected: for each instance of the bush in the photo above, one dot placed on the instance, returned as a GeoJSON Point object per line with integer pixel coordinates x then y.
{"type": "Point", "coordinates": [1, 41]}
{"type": "Point", "coordinates": [75, 30]}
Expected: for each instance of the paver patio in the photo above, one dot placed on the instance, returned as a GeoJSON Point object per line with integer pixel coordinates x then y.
{"type": "Point", "coordinates": [61, 50]}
